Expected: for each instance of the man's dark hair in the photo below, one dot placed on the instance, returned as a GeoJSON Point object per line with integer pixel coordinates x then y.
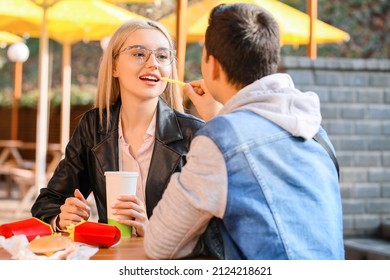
{"type": "Point", "coordinates": [244, 38]}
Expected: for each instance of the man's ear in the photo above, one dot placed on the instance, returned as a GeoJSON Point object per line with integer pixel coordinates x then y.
{"type": "Point", "coordinates": [215, 67]}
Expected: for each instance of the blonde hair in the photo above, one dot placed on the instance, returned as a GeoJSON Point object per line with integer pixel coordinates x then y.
{"type": "Point", "coordinates": [108, 90]}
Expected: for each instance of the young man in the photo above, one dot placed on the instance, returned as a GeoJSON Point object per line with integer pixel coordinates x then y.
{"type": "Point", "coordinates": [256, 185]}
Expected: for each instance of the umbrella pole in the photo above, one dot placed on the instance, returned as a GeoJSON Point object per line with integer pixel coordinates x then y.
{"type": "Point", "coordinates": [42, 121]}
{"type": "Point", "coordinates": [181, 35]}
{"type": "Point", "coordinates": [66, 95]}
{"type": "Point", "coordinates": [312, 11]}
{"type": "Point", "coordinates": [15, 104]}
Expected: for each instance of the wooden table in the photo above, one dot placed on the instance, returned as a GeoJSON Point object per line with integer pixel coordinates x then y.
{"type": "Point", "coordinates": [131, 248]}
{"type": "Point", "coordinates": [9, 150]}
{"type": "Point", "coordinates": [22, 171]}
{"type": "Point", "coordinates": [10, 158]}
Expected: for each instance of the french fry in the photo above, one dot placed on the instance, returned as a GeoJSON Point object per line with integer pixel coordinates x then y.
{"type": "Point", "coordinates": [173, 81]}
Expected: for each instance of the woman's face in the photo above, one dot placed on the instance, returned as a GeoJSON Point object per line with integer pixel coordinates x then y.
{"type": "Point", "coordinates": [138, 73]}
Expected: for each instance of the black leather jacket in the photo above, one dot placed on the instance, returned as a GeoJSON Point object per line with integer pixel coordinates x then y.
{"type": "Point", "coordinates": [92, 150]}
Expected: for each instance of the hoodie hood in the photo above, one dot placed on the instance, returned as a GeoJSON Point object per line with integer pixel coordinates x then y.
{"type": "Point", "coordinates": [275, 98]}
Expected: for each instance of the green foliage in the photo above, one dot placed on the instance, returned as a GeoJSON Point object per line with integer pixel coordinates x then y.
{"type": "Point", "coordinates": [5, 98]}
{"type": "Point", "coordinates": [79, 96]}
{"type": "Point", "coordinates": [193, 60]}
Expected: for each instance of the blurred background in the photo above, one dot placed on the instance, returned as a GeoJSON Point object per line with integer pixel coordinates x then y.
{"type": "Point", "coordinates": [351, 77]}
{"type": "Point", "coordinates": [366, 22]}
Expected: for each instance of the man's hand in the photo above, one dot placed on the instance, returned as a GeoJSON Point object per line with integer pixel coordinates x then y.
{"type": "Point", "coordinates": [203, 101]}
{"type": "Point", "coordinates": [74, 210]}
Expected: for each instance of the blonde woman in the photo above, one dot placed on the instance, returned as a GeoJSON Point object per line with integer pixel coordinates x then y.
{"type": "Point", "coordinates": [138, 125]}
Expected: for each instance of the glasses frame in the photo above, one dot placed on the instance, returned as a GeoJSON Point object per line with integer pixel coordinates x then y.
{"type": "Point", "coordinates": [149, 53]}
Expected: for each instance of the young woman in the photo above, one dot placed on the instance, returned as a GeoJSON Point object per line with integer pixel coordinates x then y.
{"type": "Point", "coordinates": [136, 126]}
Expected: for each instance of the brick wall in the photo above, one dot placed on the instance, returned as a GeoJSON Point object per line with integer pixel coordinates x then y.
{"type": "Point", "coordinates": [355, 106]}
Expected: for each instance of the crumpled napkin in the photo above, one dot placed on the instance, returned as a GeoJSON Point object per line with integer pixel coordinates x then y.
{"type": "Point", "coordinates": [17, 246]}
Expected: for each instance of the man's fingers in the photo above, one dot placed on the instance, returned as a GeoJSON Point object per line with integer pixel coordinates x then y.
{"type": "Point", "coordinates": [189, 91]}
{"type": "Point", "coordinates": [195, 88]}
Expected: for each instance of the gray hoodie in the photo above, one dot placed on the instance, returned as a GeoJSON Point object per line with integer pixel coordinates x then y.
{"type": "Point", "coordinates": [275, 98]}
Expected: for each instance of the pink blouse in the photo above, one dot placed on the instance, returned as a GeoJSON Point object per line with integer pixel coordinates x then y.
{"type": "Point", "coordinates": [141, 161]}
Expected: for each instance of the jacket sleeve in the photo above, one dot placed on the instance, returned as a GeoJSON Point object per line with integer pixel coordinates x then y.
{"type": "Point", "coordinates": [191, 199]}
{"type": "Point", "coordinates": [71, 173]}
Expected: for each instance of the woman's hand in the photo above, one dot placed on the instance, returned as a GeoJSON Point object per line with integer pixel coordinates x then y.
{"type": "Point", "coordinates": [74, 210]}
{"type": "Point", "coordinates": [203, 101]}
{"type": "Point", "coordinates": [132, 208]}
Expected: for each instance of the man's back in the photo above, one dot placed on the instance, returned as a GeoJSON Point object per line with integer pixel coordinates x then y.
{"type": "Point", "coordinates": [283, 195]}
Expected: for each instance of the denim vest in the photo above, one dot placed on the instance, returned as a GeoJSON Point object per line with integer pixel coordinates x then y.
{"type": "Point", "coordinates": [283, 197]}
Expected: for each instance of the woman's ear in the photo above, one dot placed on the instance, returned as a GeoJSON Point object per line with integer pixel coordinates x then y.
{"type": "Point", "coordinates": [114, 69]}
{"type": "Point", "coordinates": [114, 72]}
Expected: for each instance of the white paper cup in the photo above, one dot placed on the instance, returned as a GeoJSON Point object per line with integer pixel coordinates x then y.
{"type": "Point", "coordinates": [119, 183]}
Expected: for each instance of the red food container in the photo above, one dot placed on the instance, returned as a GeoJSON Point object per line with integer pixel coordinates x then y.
{"type": "Point", "coordinates": [95, 234]}
{"type": "Point", "coordinates": [31, 227]}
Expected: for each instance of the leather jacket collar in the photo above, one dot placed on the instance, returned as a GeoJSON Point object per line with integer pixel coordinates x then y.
{"type": "Point", "coordinates": [167, 128]}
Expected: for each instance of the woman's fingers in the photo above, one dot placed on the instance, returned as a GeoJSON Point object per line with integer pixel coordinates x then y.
{"type": "Point", "coordinates": [131, 207]}
{"type": "Point", "coordinates": [74, 210]}
{"type": "Point", "coordinates": [128, 205]}
{"type": "Point", "coordinates": [79, 196]}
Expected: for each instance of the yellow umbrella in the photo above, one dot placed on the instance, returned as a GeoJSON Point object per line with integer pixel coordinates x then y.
{"type": "Point", "coordinates": [134, 1]}
{"type": "Point", "coordinates": [9, 38]}
{"type": "Point", "coordinates": [293, 24]}
{"type": "Point", "coordinates": [66, 21]}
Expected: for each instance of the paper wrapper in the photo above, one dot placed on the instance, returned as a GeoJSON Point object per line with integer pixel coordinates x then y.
{"type": "Point", "coordinates": [95, 234]}
{"type": "Point", "coordinates": [31, 228]}
{"type": "Point", "coordinates": [17, 246]}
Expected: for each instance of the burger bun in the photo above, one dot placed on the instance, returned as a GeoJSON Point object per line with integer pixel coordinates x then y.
{"type": "Point", "coordinates": [48, 245]}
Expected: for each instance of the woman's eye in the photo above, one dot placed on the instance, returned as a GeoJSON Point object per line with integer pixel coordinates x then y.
{"type": "Point", "coordinates": [162, 57]}
{"type": "Point", "coordinates": [139, 54]}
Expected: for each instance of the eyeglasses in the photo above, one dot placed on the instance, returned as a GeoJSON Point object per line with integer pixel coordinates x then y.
{"type": "Point", "coordinates": [140, 55]}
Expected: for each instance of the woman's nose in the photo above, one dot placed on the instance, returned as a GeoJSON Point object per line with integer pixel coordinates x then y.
{"type": "Point", "coordinates": [152, 61]}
